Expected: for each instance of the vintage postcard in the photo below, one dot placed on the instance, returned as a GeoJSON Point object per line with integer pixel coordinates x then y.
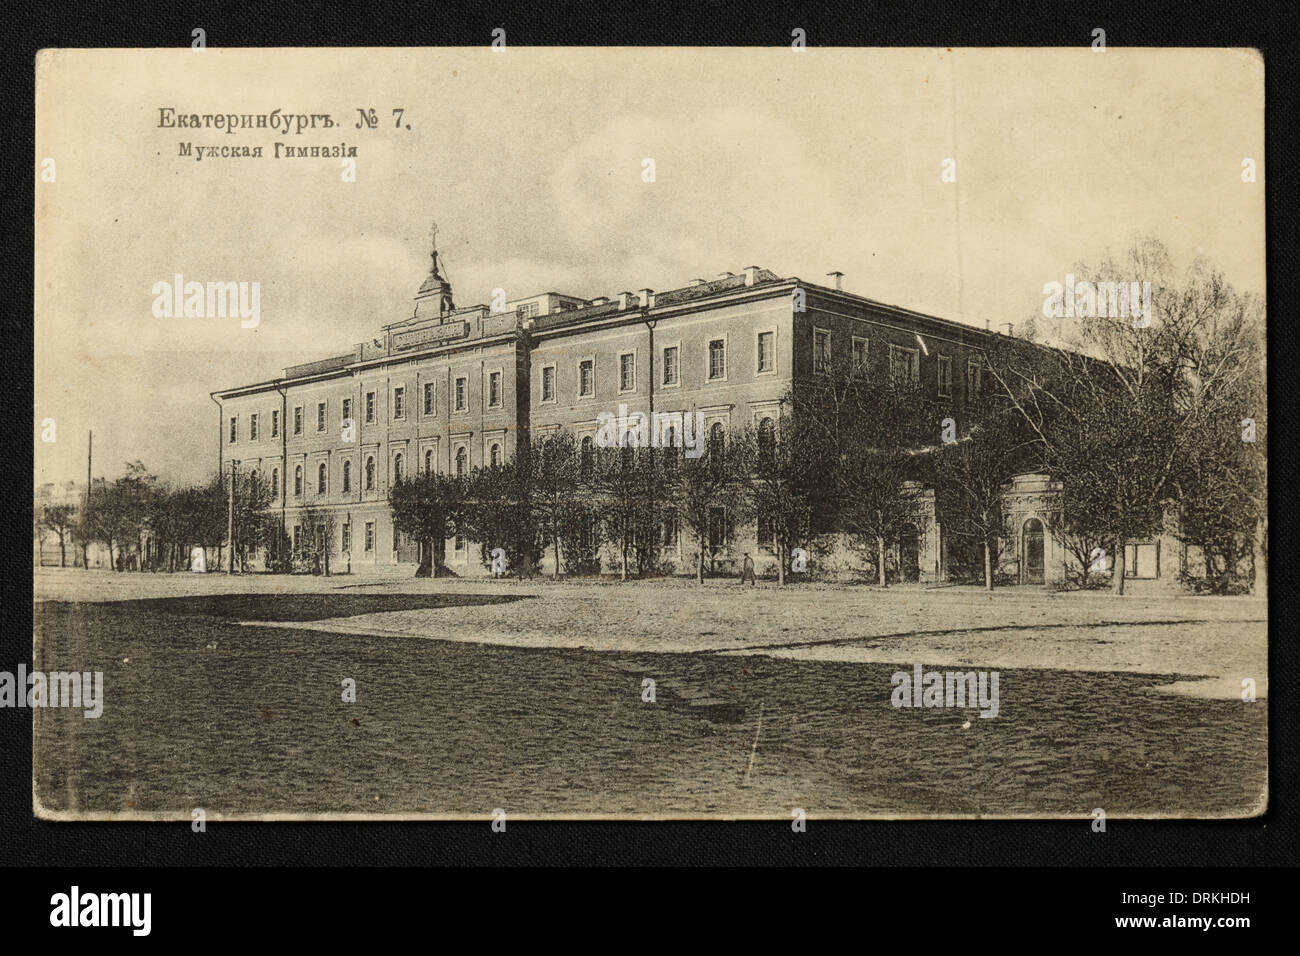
{"type": "Point", "coordinates": [511, 433]}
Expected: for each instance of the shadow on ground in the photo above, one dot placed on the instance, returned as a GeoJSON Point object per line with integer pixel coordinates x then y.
{"type": "Point", "coordinates": [200, 711]}
{"type": "Point", "coordinates": [294, 607]}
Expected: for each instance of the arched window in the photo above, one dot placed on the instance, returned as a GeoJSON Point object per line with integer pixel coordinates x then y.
{"type": "Point", "coordinates": [461, 460]}
{"type": "Point", "coordinates": [428, 462]}
{"type": "Point", "coordinates": [370, 474]}
{"type": "Point", "coordinates": [767, 438]}
{"type": "Point", "coordinates": [397, 468]}
{"type": "Point", "coordinates": [297, 481]}
{"type": "Point", "coordinates": [588, 455]}
{"type": "Point", "coordinates": [347, 477]}
{"type": "Point", "coordinates": [321, 478]}
{"type": "Point", "coordinates": [496, 456]}
{"type": "Point", "coordinates": [275, 482]}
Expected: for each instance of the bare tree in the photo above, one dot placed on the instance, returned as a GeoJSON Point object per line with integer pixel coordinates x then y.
{"type": "Point", "coordinates": [1123, 405]}
{"type": "Point", "coordinates": [59, 519]}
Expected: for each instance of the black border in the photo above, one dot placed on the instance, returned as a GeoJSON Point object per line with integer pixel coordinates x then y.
{"type": "Point", "coordinates": [1268, 27]}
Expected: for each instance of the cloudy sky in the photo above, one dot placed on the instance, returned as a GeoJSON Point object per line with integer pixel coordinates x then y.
{"type": "Point", "coordinates": [531, 162]}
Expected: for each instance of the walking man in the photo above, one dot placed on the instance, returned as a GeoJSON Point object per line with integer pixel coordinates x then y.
{"type": "Point", "coordinates": [747, 572]}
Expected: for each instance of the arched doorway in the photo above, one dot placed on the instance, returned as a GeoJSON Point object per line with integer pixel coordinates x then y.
{"type": "Point", "coordinates": [909, 554]}
{"type": "Point", "coordinates": [1033, 545]}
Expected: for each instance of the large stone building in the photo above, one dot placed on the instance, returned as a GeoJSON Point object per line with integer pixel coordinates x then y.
{"type": "Point", "coordinates": [449, 389]}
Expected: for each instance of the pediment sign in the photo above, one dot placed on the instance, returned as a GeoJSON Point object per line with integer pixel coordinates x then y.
{"type": "Point", "coordinates": [430, 335]}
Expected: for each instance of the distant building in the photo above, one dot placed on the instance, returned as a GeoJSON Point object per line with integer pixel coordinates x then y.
{"type": "Point", "coordinates": [45, 546]}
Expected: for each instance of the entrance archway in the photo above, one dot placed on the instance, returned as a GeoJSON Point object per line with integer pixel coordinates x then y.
{"type": "Point", "coordinates": [909, 554]}
{"type": "Point", "coordinates": [1033, 546]}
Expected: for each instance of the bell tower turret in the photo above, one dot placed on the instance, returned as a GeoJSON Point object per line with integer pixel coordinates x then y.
{"type": "Point", "coordinates": [434, 297]}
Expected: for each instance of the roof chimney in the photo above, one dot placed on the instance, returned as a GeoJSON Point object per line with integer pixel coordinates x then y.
{"type": "Point", "coordinates": [623, 298]}
{"type": "Point", "coordinates": [725, 275]}
{"type": "Point", "coordinates": [647, 297]}
{"type": "Point", "coordinates": [986, 325]}
{"type": "Point", "coordinates": [1008, 326]}
{"type": "Point", "coordinates": [697, 282]}
{"type": "Point", "coordinates": [599, 300]}
{"type": "Point", "coordinates": [839, 285]}
{"type": "Point", "coordinates": [751, 275]}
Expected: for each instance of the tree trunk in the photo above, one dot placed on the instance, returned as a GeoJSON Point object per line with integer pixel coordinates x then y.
{"type": "Point", "coordinates": [988, 567]}
{"type": "Point", "coordinates": [555, 543]}
{"type": "Point", "coordinates": [699, 567]}
{"type": "Point", "coordinates": [1117, 569]}
{"type": "Point", "coordinates": [623, 574]}
{"type": "Point", "coordinates": [880, 551]}
{"type": "Point", "coordinates": [781, 552]}
{"type": "Point", "coordinates": [63, 558]}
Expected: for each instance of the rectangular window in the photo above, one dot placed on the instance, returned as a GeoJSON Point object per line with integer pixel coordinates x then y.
{"type": "Point", "coordinates": [670, 530]}
{"type": "Point", "coordinates": [347, 537]}
{"type": "Point", "coordinates": [297, 419]}
{"type": "Point", "coordinates": [462, 385]}
{"type": "Point", "coordinates": [821, 352]}
{"type": "Point", "coordinates": [717, 359]}
{"type": "Point", "coordinates": [904, 366]}
{"type": "Point", "coordinates": [586, 377]}
{"type": "Point", "coordinates": [428, 398]}
{"type": "Point", "coordinates": [766, 532]}
{"type": "Point", "coordinates": [718, 530]}
{"type": "Point", "coordinates": [370, 408]}
{"type": "Point", "coordinates": [527, 311]}
{"type": "Point", "coordinates": [399, 401]}
{"type": "Point", "coordinates": [347, 411]}
{"type": "Point", "coordinates": [671, 362]}
{"type": "Point", "coordinates": [275, 423]}
{"type": "Point", "coordinates": [548, 383]}
{"type": "Point", "coordinates": [397, 539]}
{"type": "Point", "coordinates": [766, 351]}
{"type": "Point", "coordinates": [460, 544]}
{"type": "Point", "coordinates": [370, 537]}
{"type": "Point", "coordinates": [627, 372]}
{"type": "Point", "coordinates": [297, 537]}
{"type": "Point", "coordinates": [973, 382]}
{"type": "Point", "coordinates": [234, 429]}
{"type": "Point", "coordinates": [945, 376]}
{"type": "Point", "coordinates": [252, 427]}
{"type": "Point", "coordinates": [320, 416]}
{"type": "Point", "coordinates": [494, 390]}
{"type": "Point", "coordinates": [859, 356]}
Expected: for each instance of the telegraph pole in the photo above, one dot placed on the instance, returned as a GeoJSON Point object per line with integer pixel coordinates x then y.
{"type": "Point", "coordinates": [230, 521]}
{"type": "Point", "coordinates": [85, 548]}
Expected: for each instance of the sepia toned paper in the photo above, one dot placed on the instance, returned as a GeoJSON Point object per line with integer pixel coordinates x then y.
{"type": "Point", "coordinates": [968, 338]}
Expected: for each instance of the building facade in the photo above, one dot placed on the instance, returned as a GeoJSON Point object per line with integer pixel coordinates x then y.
{"type": "Point", "coordinates": [449, 389]}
